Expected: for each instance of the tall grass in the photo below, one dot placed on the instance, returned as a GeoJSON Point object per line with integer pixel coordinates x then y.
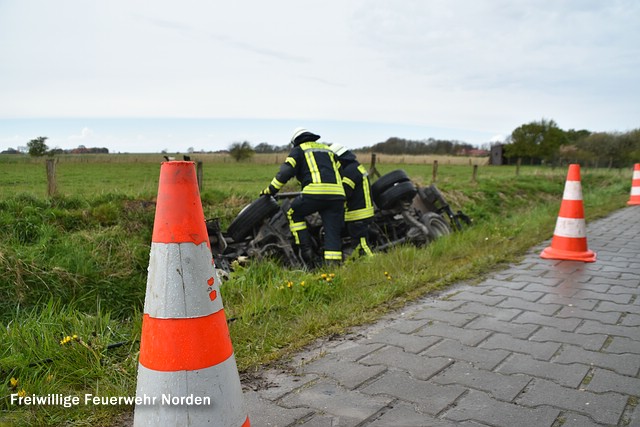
{"type": "Point", "coordinates": [75, 266]}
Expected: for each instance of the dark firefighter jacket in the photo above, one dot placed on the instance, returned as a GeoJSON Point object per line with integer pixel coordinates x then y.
{"type": "Point", "coordinates": [315, 167]}
{"type": "Point", "coordinates": [355, 181]}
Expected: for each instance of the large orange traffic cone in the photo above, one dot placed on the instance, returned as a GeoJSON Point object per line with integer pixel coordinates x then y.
{"type": "Point", "coordinates": [187, 373]}
{"type": "Point", "coordinates": [569, 238]}
{"type": "Point", "coordinates": [635, 186]}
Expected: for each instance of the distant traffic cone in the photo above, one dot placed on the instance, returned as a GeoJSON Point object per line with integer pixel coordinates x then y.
{"type": "Point", "coordinates": [187, 373]}
{"type": "Point", "coordinates": [569, 238]}
{"type": "Point", "coordinates": [635, 186]}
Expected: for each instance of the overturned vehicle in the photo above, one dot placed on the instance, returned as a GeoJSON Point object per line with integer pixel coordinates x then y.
{"type": "Point", "coordinates": [404, 213]}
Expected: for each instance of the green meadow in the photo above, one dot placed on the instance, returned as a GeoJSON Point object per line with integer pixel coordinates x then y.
{"type": "Point", "coordinates": [73, 266]}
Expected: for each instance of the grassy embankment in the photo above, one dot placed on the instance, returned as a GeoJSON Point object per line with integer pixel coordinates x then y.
{"type": "Point", "coordinates": [73, 268]}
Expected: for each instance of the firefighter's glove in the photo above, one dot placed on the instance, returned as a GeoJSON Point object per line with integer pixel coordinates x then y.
{"type": "Point", "coordinates": [266, 192]}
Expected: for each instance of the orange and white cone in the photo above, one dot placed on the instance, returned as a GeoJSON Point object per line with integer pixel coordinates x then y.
{"type": "Point", "coordinates": [187, 373]}
{"type": "Point", "coordinates": [569, 238]}
{"type": "Point", "coordinates": [635, 186]}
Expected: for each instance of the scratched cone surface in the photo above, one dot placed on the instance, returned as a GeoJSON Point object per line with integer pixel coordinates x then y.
{"type": "Point", "coordinates": [634, 199]}
{"type": "Point", "coordinates": [569, 238]}
{"type": "Point", "coordinates": [187, 373]}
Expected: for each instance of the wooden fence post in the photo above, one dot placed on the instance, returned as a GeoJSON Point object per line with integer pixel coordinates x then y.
{"type": "Point", "coordinates": [474, 176]}
{"type": "Point", "coordinates": [434, 174]}
{"type": "Point", "coordinates": [372, 170]}
{"type": "Point", "coordinates": [51, 177]}
{"type": "Point", "coordinates": [199, 174]}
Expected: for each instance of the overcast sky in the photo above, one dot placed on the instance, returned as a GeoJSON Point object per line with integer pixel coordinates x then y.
{"type": "Point", "coordinates": [354, 71]}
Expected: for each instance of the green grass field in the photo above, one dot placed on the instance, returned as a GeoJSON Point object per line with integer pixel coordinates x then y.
{"type": "Point", "coordinates": [73, 267]}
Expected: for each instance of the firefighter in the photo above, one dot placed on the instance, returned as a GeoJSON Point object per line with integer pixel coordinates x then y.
{"type": "Point", "coordinates": [314, 165]}
{"type": "Point", "coordinates": [359, 207]}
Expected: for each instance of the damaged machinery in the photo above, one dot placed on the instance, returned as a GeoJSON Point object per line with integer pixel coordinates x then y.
{"type": "Point", "coordinates": [404, 214]}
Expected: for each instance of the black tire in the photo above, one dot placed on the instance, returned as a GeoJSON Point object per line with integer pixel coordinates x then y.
{"type": "Point", "coordinates": [251, 215]}
{"type": "Point", "coordinates": [402, 191]}
{"type": "Point", "coordinates": [388, 180]}
{"type": "Point", "coordinates": [436, 224]}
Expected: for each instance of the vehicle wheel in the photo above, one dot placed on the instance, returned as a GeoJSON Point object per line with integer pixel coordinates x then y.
{"type": "Point", "coordinates": [401, 191]}
{"type": "Point", "coordinates": [437, 226]}
{"type": "Point", "coordinates": [251, 215]}
{"type": "Point", "coordinates": [388, 180]}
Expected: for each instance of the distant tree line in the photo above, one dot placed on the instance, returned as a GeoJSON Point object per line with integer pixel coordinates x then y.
{"type": "Point", "coordinates": [38, 147]}
{"type": "Point", "coordinates": [544, 142]}
{"type": "Point", "coordinates": [431, 146]}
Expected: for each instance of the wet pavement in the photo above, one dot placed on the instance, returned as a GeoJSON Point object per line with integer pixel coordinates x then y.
{"type": "Point", "coordinates": [540, 343]}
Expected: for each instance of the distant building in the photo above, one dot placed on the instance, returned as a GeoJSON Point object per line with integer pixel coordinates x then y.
{"type": "Point", "coordinates": [10, 151]}
{"type": "Point", "coordinates": [497, 155]}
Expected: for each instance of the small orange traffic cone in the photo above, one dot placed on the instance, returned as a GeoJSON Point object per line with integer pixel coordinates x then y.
{"type": "Point", "coordinates": [569, 238]}
{"type": "Point", "coordinates": [187, 373]}
{"type": "Point", "coordinates": [635, 186]}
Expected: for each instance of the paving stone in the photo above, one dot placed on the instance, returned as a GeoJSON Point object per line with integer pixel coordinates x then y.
{"type": "Point", "coordinates": [617, 298]}
{"type": "Point", "coordinates": [412, 343]}
{"type": "Point", "coordinates": [588, 342]}
{"type": "Point", "coordinates": [500, 313]}
{"type": "Point", "coordinates": [493, 282]}
{"type": "Point", "coordinates": [549, 281]}
{"type": "Point", "coordinates": [479, 357]}
{"type": "Point", "coordinates": [276, 383]}
{"type": "Point", "coordinates": [353, 351]}
{"type": "Point", "coordinates": [526, 295]}
{"type": "Point", "coordinates": [320, 419]}
{"type": "Point", "coordinates": [564, 324]}
{"type": "Point", "coordinates": [603, 408]}
{"type": "Point", "coordinates": [420, 367]}
{"type": "Point", "coordinates": [631, 320]}
{"type": "Point", "coordinates": [562, 290]}
{"type": "Point", "coordinates": [492, 324]}
{"type": "Point", "coordinates": [406, 415]}
{"type": "Point", "coordinates": [456, 319]}
{"type": "Point", "coordinates": [408, 325]}
{"type": "Point", "coordinates": [571, 419]}
{"type": "Point", "coordinates": [430, 398]}
{"type": "Point", "coordinates": [478, 406]}
{"type": "Point", "coordinates": [607, 306]}
{"type": "Point", "coordinates": [348, 374]}
{"type": "Point", "coordinates": [586, 304]}
{"type": "Point", "coordinates": [620, 289]}
{"type": "Point", "coordinates": [599, 316]}
{"type": "Point", "coordinates": [499, 386]}
{"type": "Point", "coordinates": [498, 281]}
{"type": "Point", "coordinates": [265, 413]}
{"type": "Point", "coordinates": [625, 364]}
{"type": "Point", "coordinates": [437, 330]}
{"type": "Point", "coordinates": [592, 327]}
{"type": "Point", "coordinates": [327, 397]}
{"type": "Point", "coordinates": [521, 304]}
{"type": "Point", "coordinates": [477, 297]}
{"type": "Point", "coordinates": [567, 375]}
{"type": "Point", "coordinates": [623, 345]}
{"type": "Point", "coordinates": [604, 380]}
{"type": "Point", "coordinates": [538, 350]}
{"type": "Point", "coordinates": [443, 304]}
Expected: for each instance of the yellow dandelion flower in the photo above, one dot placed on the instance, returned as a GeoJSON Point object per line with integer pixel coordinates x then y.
{"type": "Point", "coordinates": [323, 276]}
{"type": "Point", "coordinates": [332, 275]}
{"type": "Point", "coordinates": [22, 393]}
{"type": "Point", "coordinates": [302, 283]}
{"type": "Point", "coordinates": [289, 284]}
{"type": "Point", "coordinates": [13, 382]}
{"type": "Point", "coordinates": [49, 378]}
